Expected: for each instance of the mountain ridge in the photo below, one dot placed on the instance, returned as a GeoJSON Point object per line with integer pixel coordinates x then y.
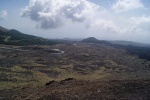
{"type": "Point", "coordinates": [94, 40]}
{"type": "Point", "coordinates": [15, 37]}
{"type": "Point", "coordinates": [127, 43]}
{"type": "Point", "coordinates": [115, 42]}
{"type": "Point", "coordinates": [133, 49]}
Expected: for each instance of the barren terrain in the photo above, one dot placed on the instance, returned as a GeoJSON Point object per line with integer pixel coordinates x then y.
{"type": "Point", "coordinates": [98, 72]}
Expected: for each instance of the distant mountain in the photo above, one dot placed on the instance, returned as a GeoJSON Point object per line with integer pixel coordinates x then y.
{"type": "Point", "coordinates": [3, 29]}
{"type": "Point", "coordinates": [72, 39]}
{"type": "Point", "coordinates": [133, 48]}
{"type": "Point", "coordinates": [130, 43]}
{"type": "Point", "coordinates": [14, 37]}
{"type": "Point", "coordinates": [113, 43]}
{"type": "Point", "coordinates": [94, 40]}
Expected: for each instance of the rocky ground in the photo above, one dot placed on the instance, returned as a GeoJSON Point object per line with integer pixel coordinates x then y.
{"type": "Point", "coordinates": [72, 89]}
{"type": "Point", "coordinates": [97, 72]}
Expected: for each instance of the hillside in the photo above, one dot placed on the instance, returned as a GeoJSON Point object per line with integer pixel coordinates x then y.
{"type": "Point", "coordinates": [25, 70]}
{"type": "Point", "coordinates": [14, 37]}
{"type": "Point", "coordinates": [39, 64]}
{"type": "Point", "coordinates": [111, 43]}
{"type": "Point", "coordinates": [94, 40]}
{"type": "Point", "coordinates": [72, 89]}
{"type": "Point", "coordinates": [87, 70]}
{"type": "Point", "coordinates": [133, 48]}
{"type": "Point", "coordinates": [130, 43]}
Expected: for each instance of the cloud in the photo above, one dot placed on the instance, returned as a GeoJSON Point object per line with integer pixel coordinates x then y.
{"type": "Point", "coordinates": [140, 20]}
{"type": "Point", "coordinates": [125, 5]}
{"type": "Point", "coordinates": [141, 23]}
{"type": "Point", "coordinates": [106, 25]}
{"type": "Point", "coordinates": [3, 14]}
{"type": "Point", "coordinates": [131, 25]}
{"type": "Point", "coordinates": [53, 13]}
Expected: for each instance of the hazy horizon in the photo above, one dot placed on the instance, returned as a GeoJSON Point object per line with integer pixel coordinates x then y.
{"type": "Point", "coordinates": [105, 20]}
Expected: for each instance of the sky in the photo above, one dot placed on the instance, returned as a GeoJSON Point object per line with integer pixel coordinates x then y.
{"type": "Point", "coordinates": [55, 19]}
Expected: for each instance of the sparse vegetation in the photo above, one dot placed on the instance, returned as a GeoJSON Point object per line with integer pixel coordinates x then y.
{"type": "Point", "coordinates": [23, 67]}
{"type": "Point", "coordinates": [14, 37]}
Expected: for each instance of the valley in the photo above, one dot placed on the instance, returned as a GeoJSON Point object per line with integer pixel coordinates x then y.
{"type": "Point", "coordinates": [64, 70]}
{"type": "Point", "coordinates": [74, 50]}
{"type": "Point", "coordinates": [28, 65]}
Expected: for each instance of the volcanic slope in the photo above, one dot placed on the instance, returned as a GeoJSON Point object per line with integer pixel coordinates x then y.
{"type": "Point", "coordinates": [22, 65]}
{"type": "Point", "coordinates": [14, 37]}
{"type": "Point", "coordinates": [72, 89]}
{"type": "Point", "coordinates": [24, 70]}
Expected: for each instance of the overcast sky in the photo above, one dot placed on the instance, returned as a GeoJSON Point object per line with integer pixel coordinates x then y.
{"type": "Point", "coordinates": [103, 19]}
